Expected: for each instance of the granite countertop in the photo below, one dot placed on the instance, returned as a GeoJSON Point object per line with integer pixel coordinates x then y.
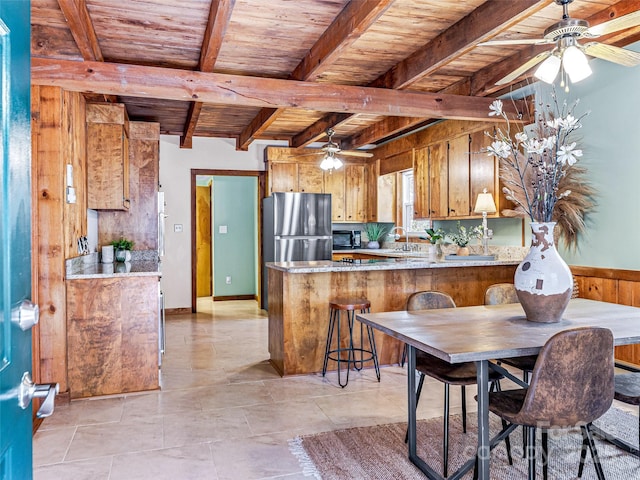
{"type": "Point", "coordinates": [87, 266]}
{"type": "Point", "coordinates": [405, 263]}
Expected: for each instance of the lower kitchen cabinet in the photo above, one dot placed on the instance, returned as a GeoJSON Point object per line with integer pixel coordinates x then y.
{"type": "Point", "coordinates": [112, 335]}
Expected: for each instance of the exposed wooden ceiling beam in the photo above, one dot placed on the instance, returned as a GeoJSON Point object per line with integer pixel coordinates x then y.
{"type": "Point", "coordinates": [181, 85]}
{"type": "Point", "coordinates": [79, 21]}
{"type": "Point", "coordinates": [481, 24]}
{"type": "Point", "coordinates": [316, 130]}
{"type": "Point", "coordinates": [356, 17]}
{"type": "Point", "coordinates": [394, 125]}
{"type": "Point", "coordinates": [83, 33]}
{"type": "Point", "coordinates": [219, 16]}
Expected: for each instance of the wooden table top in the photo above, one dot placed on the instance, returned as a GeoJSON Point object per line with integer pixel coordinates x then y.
{"type": "Point", "coordinates": [499, 331]}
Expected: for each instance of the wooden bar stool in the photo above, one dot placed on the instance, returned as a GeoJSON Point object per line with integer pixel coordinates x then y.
{"type": "Point", "coordinates": [349, 306]}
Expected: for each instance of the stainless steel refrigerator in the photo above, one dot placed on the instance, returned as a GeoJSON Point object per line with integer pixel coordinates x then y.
{"type": "Point", "coordinates": [296, 226]}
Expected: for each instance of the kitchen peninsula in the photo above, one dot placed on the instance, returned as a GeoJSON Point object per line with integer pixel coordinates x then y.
{"type": "Point", "coordinates": [112, 326]}
{"type": "Point", "coordinates": [299, 295]}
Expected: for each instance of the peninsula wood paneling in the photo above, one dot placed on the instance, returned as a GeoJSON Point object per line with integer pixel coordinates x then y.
{"type": "Point", "coordinates": [615, 286]}
{"type": "Point", "coordinates": [112, 328]}
{"type": "Point", "coordinates": [140, 222]}
{"type": "Point", "coordinates": [299, 306]}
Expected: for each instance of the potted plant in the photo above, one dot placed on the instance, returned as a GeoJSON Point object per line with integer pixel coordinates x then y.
{"type": "Point", "coordinates": [433, 237]}
{"type": "Point", "coordinates": [122, 249]}
{"type": "Point", "coordinates": [375, 233]}
{"type": "Point", "coordinates": [461, 236]}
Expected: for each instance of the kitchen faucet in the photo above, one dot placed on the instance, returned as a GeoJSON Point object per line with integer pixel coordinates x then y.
{"type": "Point", "coordinates": [405, 247]}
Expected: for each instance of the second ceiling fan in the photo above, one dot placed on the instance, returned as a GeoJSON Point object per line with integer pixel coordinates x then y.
{"type": "Point", "coordinates": [568, 53]}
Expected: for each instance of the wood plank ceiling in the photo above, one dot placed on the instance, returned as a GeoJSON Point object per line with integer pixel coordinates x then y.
{"type": "Point", "coordinates": [290, 69]}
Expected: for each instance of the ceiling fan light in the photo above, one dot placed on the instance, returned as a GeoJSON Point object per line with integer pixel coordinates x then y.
{"type": "Point", "coordinates": [327, 163]}
{"type": "Point", "coordinates": [548, 70]}
{"type": "Point", "coordinates": [575, 63]}
{"type": "Point", "coordinates": [337, 163]}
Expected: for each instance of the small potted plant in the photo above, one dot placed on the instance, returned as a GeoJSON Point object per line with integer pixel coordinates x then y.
{"type": "Point", "coordinates": [433, 237]}
{"type": "Point", "coordinates": [122, 249]}
{"type": "Point", "coordinates": [375, 233]}
{"type": "Point", "coordinates": [461, 236]}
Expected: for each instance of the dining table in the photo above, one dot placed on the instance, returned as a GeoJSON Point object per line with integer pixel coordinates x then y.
{"type": "Point", "coordinates": [484, 333]}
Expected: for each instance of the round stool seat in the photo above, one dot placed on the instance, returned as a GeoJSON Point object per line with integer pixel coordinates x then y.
{"type": "Point", "coordinates": [350, 304]}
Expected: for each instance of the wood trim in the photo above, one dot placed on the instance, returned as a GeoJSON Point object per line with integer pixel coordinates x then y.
{"type": "Point", "coordinates": [608, 273]}
{"type": "Point", "coordinates": [224, 298]}
{"type": "Point", "coordinates": [177, 311]}
{"type": "Point", "coordinates": [261, 175]}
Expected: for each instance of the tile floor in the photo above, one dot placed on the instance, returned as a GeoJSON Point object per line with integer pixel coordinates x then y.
{"type": "Point", "coordinates": [222, 413]}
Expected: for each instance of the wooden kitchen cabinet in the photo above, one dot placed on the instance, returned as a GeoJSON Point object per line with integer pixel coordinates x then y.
{"type": "Point", "coordinates": [112, 335]}
{"type": "Point", "coordinates": [371, 174]}
{"type": "Point", "coordinates": [438, 180]}
{"type": "Point", "coordinates": [458, 177]}
{"type": "Point", "coordinates": [296, 177]}
{"type": "Point", "coordinates": [310, 178]}
{"type": "Point", "coordinates": [107, 157]}
{"type": "Point", "coordinates": [483, 169]}
{"type": "Point", "coordinates": [421, 183]}
{"type": "Point", "coordinates": [355, 193]}
{"type": "Point", "coordinates": [334, 183]}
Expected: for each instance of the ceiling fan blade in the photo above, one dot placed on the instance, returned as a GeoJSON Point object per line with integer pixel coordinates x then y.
{"type": "Point", "coordinates": [618, 55]}
{"type": "Point", "coordinates": [353, 153]}
{"type": "Point", "coordinates": [626, 21]}
{"type": "Point", "coordinates": [522, 41]}
{"type": "Point", "coordinates": [524, 67]}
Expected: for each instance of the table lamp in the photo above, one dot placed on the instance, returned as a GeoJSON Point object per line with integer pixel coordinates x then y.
{"type": "Point", "coordinates": [484, 205]}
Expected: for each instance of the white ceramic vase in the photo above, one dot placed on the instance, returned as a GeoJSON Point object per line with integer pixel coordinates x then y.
{"type": "Point", "coordinates": [543, 281]}
{"type": "Point", "coordinates": [373, 244]}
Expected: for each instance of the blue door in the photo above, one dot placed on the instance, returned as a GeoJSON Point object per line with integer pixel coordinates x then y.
{"type": "Point", "coordinates": [15, 241]}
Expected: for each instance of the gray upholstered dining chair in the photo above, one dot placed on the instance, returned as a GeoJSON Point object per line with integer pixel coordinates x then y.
{"type": "Point", "coordinates": [578, 363]}
{"type": "Point", "coordinates": [462, 374]}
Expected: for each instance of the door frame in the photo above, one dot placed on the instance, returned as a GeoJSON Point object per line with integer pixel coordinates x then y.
{"type": "Point", "coordinates": [261, 176]}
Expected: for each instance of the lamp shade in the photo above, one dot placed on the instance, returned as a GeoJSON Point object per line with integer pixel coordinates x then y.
{"type": "Point", "coordinates": [548, 70]}
{"type": "Point", "coordinates": [485, 203]}
{"type": "Point", "coordinates": [575, 63]}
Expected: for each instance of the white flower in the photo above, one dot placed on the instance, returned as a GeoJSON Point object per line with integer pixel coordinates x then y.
{"type": "Point", "coordinates": [533, 145]}
{"type": "Point", "coordinates": [495, 108]}
{"type": "Point", "coordinates": [521, 137]}
{"type": "Point", "coordinates": [567, 154]}
{"type": "Point", "coordinates": [555, 123]}
{"type": "Point", "coordinates": [569, 123]}
{"type": "Point", "coordinates": [499, 148]}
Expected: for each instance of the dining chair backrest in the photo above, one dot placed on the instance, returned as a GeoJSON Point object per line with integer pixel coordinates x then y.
{"type": "Point", "coordinates": [429, 300]}
{"type": "Point", "coordinates": [500, 293]}
{"type": "Point", "coordinates": [573, 379]}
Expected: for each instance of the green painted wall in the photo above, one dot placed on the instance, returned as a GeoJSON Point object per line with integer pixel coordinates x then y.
{"type": "Point", "coordinates": [235, 252]}
{"type": "Point", "coordinates": [610, 140]}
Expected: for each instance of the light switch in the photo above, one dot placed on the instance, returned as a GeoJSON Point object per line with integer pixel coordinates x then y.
{"type": "Point", "coordinates": [223, 229]}
{"type": "Point", "coordinates": [177, 227]}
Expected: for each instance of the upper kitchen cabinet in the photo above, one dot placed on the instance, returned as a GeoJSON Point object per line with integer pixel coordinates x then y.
{"type": "Point", "coordinates": [371, 174]}
{"type": "Point", "coordinates": [107, 157]}
{"type": "Point", "coordinates": [459, 181]}
{"type": "Point", "coordinates": [334, 183]}
{"type": "Point", "coordinates": [484, 170]}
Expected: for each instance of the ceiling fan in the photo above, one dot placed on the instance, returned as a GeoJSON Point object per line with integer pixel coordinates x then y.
{"type": "Point", "coordinates": [331, 149]}
{"type": "Point", "coordinates": [570, 54]}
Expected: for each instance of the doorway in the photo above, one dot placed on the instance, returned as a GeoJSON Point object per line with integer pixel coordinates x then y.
{"type": "Point", "coordinates": [226, 217]}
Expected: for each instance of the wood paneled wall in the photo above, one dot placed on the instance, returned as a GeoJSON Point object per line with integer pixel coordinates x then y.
{"type": "Point", "coordinates": [58, 139]}
{"type": "Point", "coordinates": [615, 286]}
{"type": "Point", "coordinates": [140, 222]}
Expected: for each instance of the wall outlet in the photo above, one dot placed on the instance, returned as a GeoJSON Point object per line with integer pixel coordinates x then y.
{"type": "Point", "coordinates": [228, 280]}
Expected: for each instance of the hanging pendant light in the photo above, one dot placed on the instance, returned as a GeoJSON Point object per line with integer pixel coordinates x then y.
{"type": "Point", "coordinates": [570, 56]}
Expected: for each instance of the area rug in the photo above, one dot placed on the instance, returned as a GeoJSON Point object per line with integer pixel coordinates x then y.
{"type": "Point", "coordinates": [379, 452]}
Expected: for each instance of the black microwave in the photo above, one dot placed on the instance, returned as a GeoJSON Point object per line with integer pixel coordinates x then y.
{"type": "Point", "coordinates": [346, 239]}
